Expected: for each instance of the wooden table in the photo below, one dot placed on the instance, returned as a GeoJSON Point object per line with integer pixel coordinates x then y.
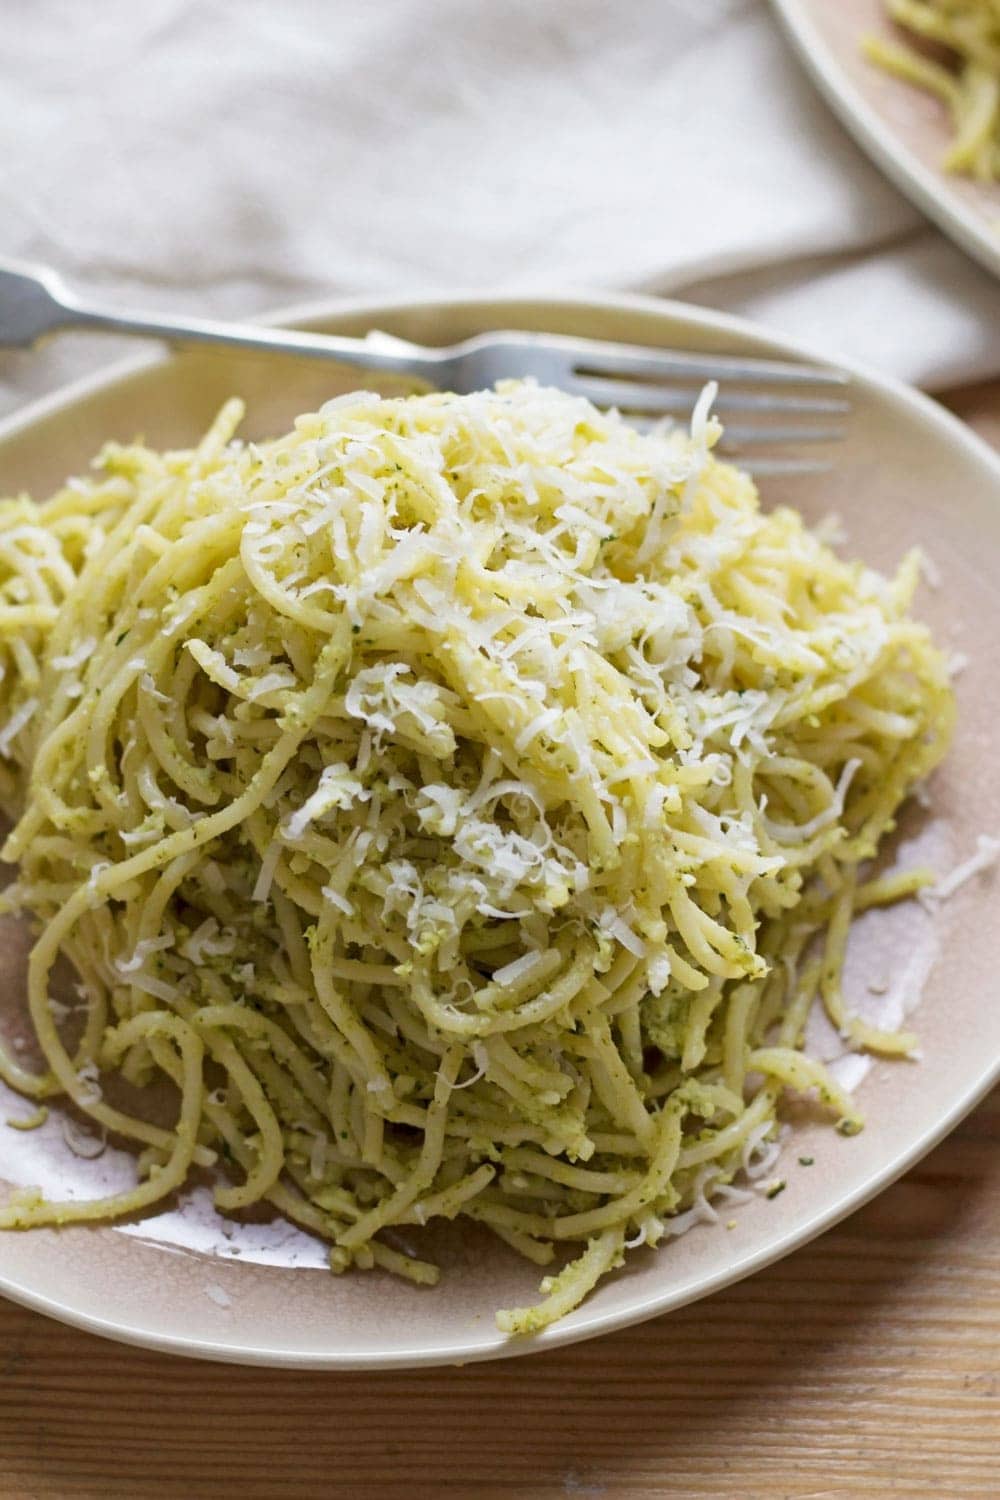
{"type": "Point", "coordinates": [866, 1364]}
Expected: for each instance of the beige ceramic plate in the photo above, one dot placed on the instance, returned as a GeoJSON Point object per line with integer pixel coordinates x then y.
{"type": "Point", "coordinates": [905, 130]}
{"type": "Point", "coordinates": [909, 473]}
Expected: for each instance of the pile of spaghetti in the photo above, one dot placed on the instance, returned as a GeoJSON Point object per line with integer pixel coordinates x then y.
{"type": "Point", "coordinates": [961, 67]}
{"type": "Point", "coordinates": [460, 801]}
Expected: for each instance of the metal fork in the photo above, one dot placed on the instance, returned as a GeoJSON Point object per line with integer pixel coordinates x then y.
{"type": "Point", "coordinates": [775, 404]}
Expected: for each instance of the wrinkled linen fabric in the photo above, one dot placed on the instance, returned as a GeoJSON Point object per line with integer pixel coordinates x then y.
{"type": "Point", "coordinates": [229, 156]}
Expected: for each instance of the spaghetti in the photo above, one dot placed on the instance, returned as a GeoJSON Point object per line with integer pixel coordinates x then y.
{"type": "Point", "coordinates": [965, 76]}
{"type": "Point", "coordinates": [460, 802]}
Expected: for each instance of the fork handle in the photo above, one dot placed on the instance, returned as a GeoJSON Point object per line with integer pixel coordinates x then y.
{"type": "Point", "coordinates": [186, 331]}
{"type": "Point", "coordinates": [35, 303]}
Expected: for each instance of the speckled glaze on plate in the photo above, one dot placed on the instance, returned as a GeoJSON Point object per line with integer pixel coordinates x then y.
{"type": "Point", "coordinates": [905, 130]}
{"type": "Point", "coordinates": [908, 473]}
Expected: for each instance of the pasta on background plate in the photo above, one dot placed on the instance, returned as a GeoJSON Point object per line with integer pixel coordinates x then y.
{"type": "Point", "coordinates": [951, 49]}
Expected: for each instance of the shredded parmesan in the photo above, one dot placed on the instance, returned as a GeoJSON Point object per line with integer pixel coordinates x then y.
{"type": "Point", "coordinates": [82, 1143]}
{"type": "Point", "coordinates": [17, 721]}
{"type": "Point", "coordinates": [985, 858]}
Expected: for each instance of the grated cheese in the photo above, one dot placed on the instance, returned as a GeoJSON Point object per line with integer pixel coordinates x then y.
{"type": "Point", "coordinates": [986, 857]}
{"type": "Point", "coordinates": [17, 721]}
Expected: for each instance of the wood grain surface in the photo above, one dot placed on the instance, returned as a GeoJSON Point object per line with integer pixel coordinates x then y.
{"type": "Point", "coordinates": [867, 1364]}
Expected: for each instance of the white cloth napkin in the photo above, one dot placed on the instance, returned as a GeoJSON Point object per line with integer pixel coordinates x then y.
{"type": "Point", "coordinates": [227, 156]}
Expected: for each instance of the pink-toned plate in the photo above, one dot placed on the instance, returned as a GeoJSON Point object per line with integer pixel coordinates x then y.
{"type": "Point", "coordinates": [184, 1281]}
{"type": "Point", "coordinates": [905, 130]}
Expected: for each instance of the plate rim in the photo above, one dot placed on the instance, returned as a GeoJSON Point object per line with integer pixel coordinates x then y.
{"type": "Point", "coordinates": [322, 311]}
{"type": "Point", "coordinates": [929, 190]}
